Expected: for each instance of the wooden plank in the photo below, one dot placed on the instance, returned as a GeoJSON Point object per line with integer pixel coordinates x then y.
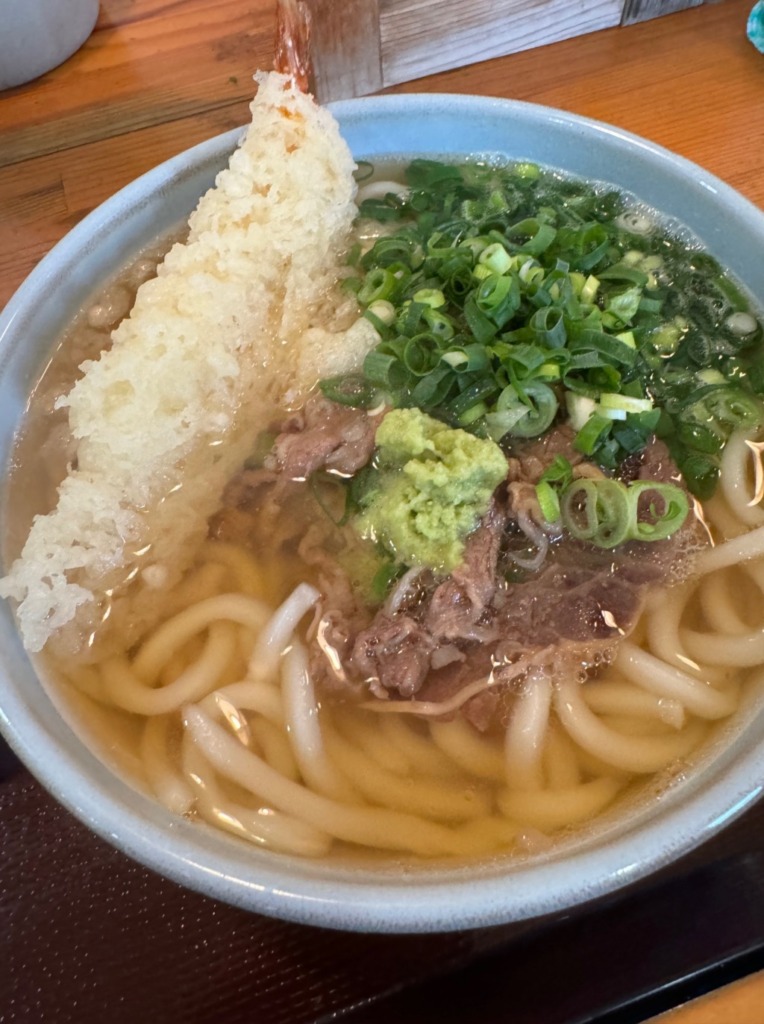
{"type": "Point", "coordinates": [722, 129]}
{"type": "Point", "coordinates": [421, 37]}
{"type": "Point", "coordinates": [738, 1003]}
{"type": "Point", "coordinates": [172, 61]}
{"type": "Point", "coordinates": [43, 198]}
{"type": "Point", "coordinates": [675, 103]}
{"type": "Point", "coordinates": [345, 44]}
{"type": "Point", "coordinates": [641, 10]}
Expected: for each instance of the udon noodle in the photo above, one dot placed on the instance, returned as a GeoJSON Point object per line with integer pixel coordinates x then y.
{"type": "Point", "coordinates": [232, 730]}
{"type": "Point", "coordinates": [231, 727]}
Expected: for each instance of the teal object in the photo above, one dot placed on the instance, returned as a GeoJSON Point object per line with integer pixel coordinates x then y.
{"type": "Point", "coordinates": [756, 26]}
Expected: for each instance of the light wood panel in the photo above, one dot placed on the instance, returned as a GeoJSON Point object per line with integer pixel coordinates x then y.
{"type": "Point", "coordinates": [742, 1002]}
{"type": "Point", "coordinates": [346, 48]}
{"type": "Point", "coordinates": [641, 10]}
{"type": "Point", "coordinates": [420, 37]}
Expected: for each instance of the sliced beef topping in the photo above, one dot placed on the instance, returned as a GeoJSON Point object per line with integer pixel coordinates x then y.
{"type": "Point", "coordinates": [569, 602]}
{"type": "Point", "coordinates": [529, 459]}
{"type": "Point", "coordinates": [324, 435]}
{"type": "Point", "coordinates": [457, 605]}
{"type": "Point", "coordinates": [444, 684]}
{"type": "Point", "coordinates": [656, 464]}
{"type": "Point", "coordinates": [522, 593]}
{"type": "Point", "coordinates": [393, 654]}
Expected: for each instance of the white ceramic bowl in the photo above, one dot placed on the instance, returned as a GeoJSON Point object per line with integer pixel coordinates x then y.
{"type": "Point", "coordinates": [38, 35]}
{"type": "Point", "coordinates": [727, 781]}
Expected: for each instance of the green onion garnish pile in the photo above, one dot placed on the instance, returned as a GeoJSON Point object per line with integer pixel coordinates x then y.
{"type": "Point", "coordinates": [504, 294]}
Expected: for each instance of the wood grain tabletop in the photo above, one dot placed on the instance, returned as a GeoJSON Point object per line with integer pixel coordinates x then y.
{"type": "Point", "coordinates": [158, 76]}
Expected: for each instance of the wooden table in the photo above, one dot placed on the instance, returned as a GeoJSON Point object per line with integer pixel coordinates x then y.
{"type": "Point", "coordinates": [157, 77]}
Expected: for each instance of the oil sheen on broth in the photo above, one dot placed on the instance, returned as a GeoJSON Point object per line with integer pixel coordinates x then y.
{"type": "Point", "coordinates": [310, 692]}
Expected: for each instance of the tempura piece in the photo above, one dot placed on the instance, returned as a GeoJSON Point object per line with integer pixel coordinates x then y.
{"type": "Point", "coordinates": [213, 342]}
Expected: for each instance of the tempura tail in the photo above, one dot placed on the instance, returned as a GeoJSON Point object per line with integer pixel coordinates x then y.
{"type": "Point", "coordinates": [163, 418]}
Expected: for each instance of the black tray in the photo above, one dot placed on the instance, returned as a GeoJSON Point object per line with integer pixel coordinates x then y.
{"type": "Point", "coordinates": [89, 935]}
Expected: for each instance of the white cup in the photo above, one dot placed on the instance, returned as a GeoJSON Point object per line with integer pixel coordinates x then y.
{"type": "Point", "coordinates": [37, 35]}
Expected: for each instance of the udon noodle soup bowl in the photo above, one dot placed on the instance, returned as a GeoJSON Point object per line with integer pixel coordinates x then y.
{"type": "Point", "coordinates": [388, 895]}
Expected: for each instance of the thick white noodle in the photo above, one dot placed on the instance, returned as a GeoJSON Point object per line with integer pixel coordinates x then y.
{"type": "Point", "coordinates": [607, 697]}
{"type": "Point", "coordinates": [550, 810]}
{"type": "Point", "coordinates": [275, 636]}
{"type": "Point", "coordinates": [161, 770]}
{"type": "Point", "coordinates": [735, 481]}
{"type": "Point", "coordinates": [264, 729]}
{"type": "Point", "coordinates": [202, 582]}
{"type": "Point", "coordinates": [262, 826]}
{"type": "Point", "coordinates": [369, 737]}
{"type": "Point", "coordinates": [87, 679]}
{"type": "Point", "coordinates": [240, 563]}
{"type": "Point", "coordinates": [718, 604]}
{"type": "Point", "coordinates": [471, 752]}
{"type": "Point", "coordinates": [743, 651]}
{"type": "Point", "coordinates": [526, 731]}
{"type": "Point", "coordinates": [657, 677]}
{"type": "Point", "coordinates": [172, 634]}
{"type": "Point", "coordinates": [755, 571]}
{"type": "Point", "coordinates": [662, 619]}
{"type": "Point", "coordinates": [275, 747]}
{"type": "Point", "coordinates": [562, 763]}
{"type": "Point", "coordinates": [262, 698]}
{"type": "Point", "coordinates": [731, 552]}
{"type": "Point", "coordinates": [450, 800]}
{"type": "Point", "coordinates": [129, 691]}
{"type": "Point", "coordinates": [377, 827]}
{"type": "Point", "coordinates": [638, 754]}
{"type": "Point", "coordinates": [403, 735]}
{"type": "Point", "coordinates": [630, 725]}
{"type": "Point", "coordinates": [304, 729]}
{"type": "Point", "coordinates": [721, 518]}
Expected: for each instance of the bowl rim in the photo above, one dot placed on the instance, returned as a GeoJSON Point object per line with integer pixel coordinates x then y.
{"type": "Point", "coordinates": [278, 885]}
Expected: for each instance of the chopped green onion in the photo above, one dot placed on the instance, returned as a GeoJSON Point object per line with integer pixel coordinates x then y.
{"type": "Point", "coordinates": [559, 472]}
{"type": "Point", "coordinates": [488, 278]}
{"type": "Point", "coordinates": [607, 512]}
{"type": "Point", "coordinates": [592, 431]}
{"type": "Point", "coordinates": [350, 389]}
{"type": "Point", "coordinates": [658, 509]}
{"type": "Point", "coordinates": [383, 310]}
{"type": "Point", "coordinates": [597, 511]}
{"type": "Point", "coordinates": [527, 170]}
{"type": "Point", "coordinates": [432, 297]}
{"type": "Point", "coordinates": [625, 403]}
{"type": "Point", "coordinates": [711, 376]}
{"type": "Point", "coordinates": [580, 409]}
{"type": "Point", "coordinates": [590, 289]}
{"type": "Point", "coordinates": [495, 258]}
{"type": "Point", "coordinates": [611, 414]}
{"type": "Point", "coordinates": [548, 500]}
{"type": "Point", "coordinates": [378, 284]}
{"type": "Point", "coordinates": [548, 326]}
{"type": "Point", "coordinates": [741, 324]}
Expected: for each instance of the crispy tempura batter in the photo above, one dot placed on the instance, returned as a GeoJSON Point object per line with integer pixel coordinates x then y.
{"type": "Point", "coordinates": [164, 418]}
